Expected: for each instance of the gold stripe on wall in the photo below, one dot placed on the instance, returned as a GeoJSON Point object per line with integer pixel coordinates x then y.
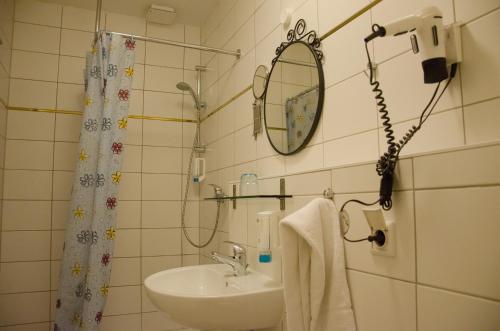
{"type": "Point", "coordinates": [275, 128]}
{"type": "Point", "coordinates": [228, 101]}
{"type": "Point", "coordinates": [350, 19]}
{"type": "Point", "coordinates": [326, 35]}
{"type": "Point", "coordinates": [79, 113]}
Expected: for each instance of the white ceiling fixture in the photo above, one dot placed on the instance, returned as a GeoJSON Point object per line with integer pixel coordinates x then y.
{"type": "Point", "coordinates": [191, 12]}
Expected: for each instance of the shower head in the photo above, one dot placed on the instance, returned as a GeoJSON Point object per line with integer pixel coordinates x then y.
{"type": "Point", "coordinates": [183, 86]}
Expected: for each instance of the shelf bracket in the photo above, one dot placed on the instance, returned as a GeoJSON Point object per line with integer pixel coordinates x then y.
{"type": "Point", "coordinates": [282, 192]}
{"type": "Point", "coordinates": [234, 196]}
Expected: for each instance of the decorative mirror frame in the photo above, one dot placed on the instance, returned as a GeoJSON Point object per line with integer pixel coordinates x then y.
{"type": "Point", "coordinates": [310, 39]}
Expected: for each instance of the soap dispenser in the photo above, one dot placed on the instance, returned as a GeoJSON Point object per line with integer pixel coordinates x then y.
{"type": "Point", "coordinates": [264, 220]}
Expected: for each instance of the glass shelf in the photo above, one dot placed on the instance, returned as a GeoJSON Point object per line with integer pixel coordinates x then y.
{"type": "Point", "coordinates": [273, 196]}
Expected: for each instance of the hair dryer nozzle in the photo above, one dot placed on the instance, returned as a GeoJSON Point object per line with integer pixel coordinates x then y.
{"type": "Point", "coordinates": [378, 31]}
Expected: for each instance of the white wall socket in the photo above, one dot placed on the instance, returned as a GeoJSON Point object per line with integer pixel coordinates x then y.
{"type": "Point", "coordinates": [389, 247]}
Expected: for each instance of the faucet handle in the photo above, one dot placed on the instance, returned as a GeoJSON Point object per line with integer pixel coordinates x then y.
{"type": "Point", "coordinates": [238, 249]}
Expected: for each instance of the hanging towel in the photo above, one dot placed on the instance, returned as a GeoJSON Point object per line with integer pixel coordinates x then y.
{"type": "Point", "coordinates": [317, 296]}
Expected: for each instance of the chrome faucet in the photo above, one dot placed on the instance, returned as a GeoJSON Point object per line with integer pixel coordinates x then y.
{"type": "Point", "coordinates": [238, 262]}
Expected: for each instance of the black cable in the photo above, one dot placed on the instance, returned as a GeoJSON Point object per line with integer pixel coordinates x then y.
{"type": "Point", "coordinates": [361, 203]}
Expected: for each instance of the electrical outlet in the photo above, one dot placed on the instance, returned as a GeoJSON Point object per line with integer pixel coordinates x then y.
{"type": "Point", "coordinates": [453, 43]}
{"type": "Point", "coordinates": [389, 247]}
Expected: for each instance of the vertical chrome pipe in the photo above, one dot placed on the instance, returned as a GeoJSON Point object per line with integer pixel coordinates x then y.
{"type": "Point", "coordinates": [98, 18]}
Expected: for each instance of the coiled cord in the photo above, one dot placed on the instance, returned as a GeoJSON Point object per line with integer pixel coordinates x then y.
{"type": "Point", "coordinates": [387, 162]}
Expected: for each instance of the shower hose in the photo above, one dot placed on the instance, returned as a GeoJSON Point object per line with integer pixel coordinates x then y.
{"type": "Point", "coordinates": [186, 194]}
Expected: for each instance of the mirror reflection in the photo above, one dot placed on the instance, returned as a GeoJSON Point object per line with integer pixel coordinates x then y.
{"type": "Point", "coordinates": [292, 102]}
{"type": "Point", "coordinates": [259, 81]}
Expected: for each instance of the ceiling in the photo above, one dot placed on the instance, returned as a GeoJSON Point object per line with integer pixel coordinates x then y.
{"type": "Point", "coordinates": [192, 12]}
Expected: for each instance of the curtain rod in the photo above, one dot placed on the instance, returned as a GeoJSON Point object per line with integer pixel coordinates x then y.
{"type": "Point", "coordinates": [236, 53]}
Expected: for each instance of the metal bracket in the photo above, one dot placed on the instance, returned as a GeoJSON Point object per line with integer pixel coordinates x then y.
{"type": "Point", "coordinates": [234, 195]}
{"type": "Point", "coordinates": [282, 192]}
{"type": "Point", "coordinates": [328, 194]}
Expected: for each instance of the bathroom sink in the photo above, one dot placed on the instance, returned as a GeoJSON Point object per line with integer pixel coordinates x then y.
{"type": "Point", "coordinates": [210, 297]}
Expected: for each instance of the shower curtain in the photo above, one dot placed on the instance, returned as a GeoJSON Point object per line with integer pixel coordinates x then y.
{"type": "Point", "coordinates": [90, 229]}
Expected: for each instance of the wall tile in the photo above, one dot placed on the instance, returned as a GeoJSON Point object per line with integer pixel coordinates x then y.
{"type": "Point", "coordinates": [70, 97]}
{"type": "Point", "coordinates": [14, 246]}
{"type": "Point", "coordinates": [128, 243]}
{"type": "Point", "coordinates": [31, 65]}
{"type": "Point", "coordinates": [62, 184]}
{"type": "Point", "coordinates": [130, 187]}
{"type": "Point", "coordinates": [123, 300]}
{"type": "Point", "coordinates": [160, 187]}
{"type": "Point", "coordinates": [164, 55]}
{"type": "Point", "coordinates": [151, 265]}
{"type": "Point", "coordinates": [466, 11]}
{"type": "Point", "coordinates": [447, 226]}
{"type": "Point", "coordinates": [157, 133]}
{"type": "Point", "coordinates": [478, 81]}
{"type": "Point", "coordinates": [71, 70]}
{"type": "Point", "coordinates": [271, 166]}
{"type": "Point", "coordinates": [33, 155]}
{"type": "Point", "coordinates": [266, 18]}
{"type": "Point", "coordinates": [79, 19]}
{"type": "Point", "coordinates": [38, 12]}
{"type": "Point", "coordinates": [349, 108]}
{"type": "Point", "coordinates": [42, 94]}
{"type": "Point", "coordinates": [310, 158]}
{"type": "Point", "coordinates": [37, 38]}
{"type": "Point", "coordinates": [353, 149]}
{"type": "Point", "coordinates": [60, 212]}
{"type": "Point", "coordinates": [161, 214]}
{"type": "Point", "coordinates": [481, 122]}
{"type": "Point", "coordinates": [26, 215]}
{"type": "Point", "coordinates": [245, 148]}
{"type": "Point", "coordinates": [126, 24]}
{"type": "Point", "coordinates": [27, 327]}
{"type": "Point", "coordinates": [363, 178]}
{"type": "Point", "coordinates": [132, 159]}
{"type": "Point", "coordinates": [158, 321]}
{"type": "Point", "coordinates": [22, 308]}
{"type": "Point", "coordinates": [431, 135]}
{"type": "Point", "coordinates": [443, 310]}
{"type": "Point", "coordinates": [345, 54]}
{"type": "Point", "coordinates": [16, 183]}
{"type": "Point", "coordinates": [121, 322]}
{"type": "Point", "coordinates": [24, 277]}
{"type": "Point", "coordinates": [458, 168]}
{"type": "Point", "coordinates": [68, 127]}
{"type": "Point", "coordinates": [381, 303]}
{"type": "Point", "coordinates": [161, 242]}
{"type": "Point", "coordinates": [162, 79]}
{"type": "Point", "coordinates": [76, 43]}
{"type": "Point", "coordinates": [126, 271]}
{"type": "Point", "coordinates": [163, 104]}
{"type": "Point", "coordinates": [65, 156]}
{"type": "Point", "coordinates": [128, 214]}
{"type": "Point", "coordinates": [134, 131]}
{"type": "Point", "coordinates": [331, 13]}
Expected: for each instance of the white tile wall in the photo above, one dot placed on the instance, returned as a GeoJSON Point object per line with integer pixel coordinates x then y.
{"type": "Point", "coordinates": [436, 195]}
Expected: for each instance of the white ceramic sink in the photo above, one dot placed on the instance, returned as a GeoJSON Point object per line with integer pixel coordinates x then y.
{"type": "Point", "coordinates": [209, 297]}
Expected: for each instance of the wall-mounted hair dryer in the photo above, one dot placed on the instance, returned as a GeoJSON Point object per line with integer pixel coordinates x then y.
{"type": "Point", "coordinates": [427, 37]}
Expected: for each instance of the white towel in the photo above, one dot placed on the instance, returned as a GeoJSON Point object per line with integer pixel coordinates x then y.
{"type": "Point", "coordinates": [317, 296]}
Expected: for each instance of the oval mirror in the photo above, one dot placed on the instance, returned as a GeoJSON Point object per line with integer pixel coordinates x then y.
{"type": "Point", "coordinates": [259, 81]}
{"type": "Point", "coordinates": [294, 93]}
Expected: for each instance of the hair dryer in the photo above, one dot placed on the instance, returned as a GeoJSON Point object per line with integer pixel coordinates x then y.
{"type": "Point", "coordinates": [427, 39]}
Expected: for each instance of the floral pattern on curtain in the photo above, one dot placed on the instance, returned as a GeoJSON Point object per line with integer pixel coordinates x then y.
{"type": "Point", "coordinates": [91, 230]}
